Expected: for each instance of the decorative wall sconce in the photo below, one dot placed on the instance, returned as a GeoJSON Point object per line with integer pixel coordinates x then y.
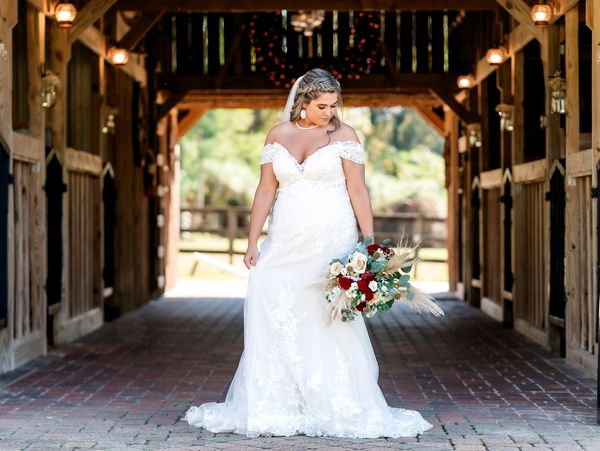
{"type": "Point", "coordinates": [65, 14]}
{"type": "Point", "coordinates": [541, 15]}
{"type": "Point", "coordinates": [474, 135]}
{"type": "Point", "coordinates": [465, 81]}
{"type": "Point", "coordinates": [3, 51]}
{"type": "Point", "coordinates": [50, 87]}
{"type": "Point", "coordinates": [505, 112]}
{"type": "Point", "coordinates": [118, 57]}
{"type": "Point", "coordinates": [558, 94]}
{"type": "Point", "coordinates": [495, 56]}
{"type": "Point", "coordinates": [306, 21]}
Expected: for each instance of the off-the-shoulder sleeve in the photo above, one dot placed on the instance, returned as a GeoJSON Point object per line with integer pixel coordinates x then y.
{"type": "Point", "coordinates": [352, 150]}
{"type": "Point", "coordinates": [267, 153]}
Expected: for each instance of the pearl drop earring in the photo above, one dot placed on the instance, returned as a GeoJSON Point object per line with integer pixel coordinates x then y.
{"type": "Point", "coordinates": [303, 114]}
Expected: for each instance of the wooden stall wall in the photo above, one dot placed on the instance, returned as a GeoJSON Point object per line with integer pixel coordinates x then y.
{"type": "Point", "coordinates": [531, 251]}
{"type": "Point", "coordinates": [581, 283]}
{"type": "Point", "coordinates": [23, 328]}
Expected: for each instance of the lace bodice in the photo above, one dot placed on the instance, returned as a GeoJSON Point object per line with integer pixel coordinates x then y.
{"type": "Point", "coordinates": [322, 166]}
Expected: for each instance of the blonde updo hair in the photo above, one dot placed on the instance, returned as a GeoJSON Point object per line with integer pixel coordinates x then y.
{"type": "Point", "coordinates": [314, 83]}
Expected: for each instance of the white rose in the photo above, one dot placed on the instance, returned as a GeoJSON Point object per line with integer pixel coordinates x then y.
{"type": "Point", "coordinates": [372, 285]}
{"type": "Point", "coordinates": [384, 288]}
{"type": "Point", "coordinates": [343, 271]}
{"type": "Point", "coordinates": [359, 262]}
{"type": "Point", "coordinates": [336, 268]}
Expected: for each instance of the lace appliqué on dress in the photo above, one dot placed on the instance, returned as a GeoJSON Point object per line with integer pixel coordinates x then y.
{"type": "Point", "coordinates": [268, 152]}
{"type": "Point", "coordinates": [353, 151]}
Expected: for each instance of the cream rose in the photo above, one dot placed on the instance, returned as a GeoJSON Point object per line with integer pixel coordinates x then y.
{"type": "Point", "coordinates": [359, 263]}
{"type": "Point", "coordinates": [336, 268]}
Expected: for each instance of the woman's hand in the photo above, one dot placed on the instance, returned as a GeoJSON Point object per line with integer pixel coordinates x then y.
{"type": "Point", "coordinates": [251, 256]}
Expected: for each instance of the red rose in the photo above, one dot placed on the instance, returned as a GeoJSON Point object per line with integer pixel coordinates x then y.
{"type": "Point", "coordinates": [344, 282]}
{"type": "Point", "coordinates": [367, 275]}
{"type": "Point", "coordinates": [360, 307]}
{"type": "Point", "coordinates": [369, 295]}
{"type": "Point", "coordinates": [372, 248]}
{"type": "Point", "coordinates": [363, 285]}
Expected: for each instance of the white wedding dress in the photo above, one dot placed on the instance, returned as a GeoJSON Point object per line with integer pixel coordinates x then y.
{"type": "Point", "coordinates": [298, 373]}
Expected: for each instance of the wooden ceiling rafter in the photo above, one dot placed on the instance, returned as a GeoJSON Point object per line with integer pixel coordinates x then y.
{"type": "Point", "coordinates": [90, 13]}
{"type": "Point", "coordinates": [139, 29]}
{"type": "Point", "coordinates": [277, 5]}
{"type": "Point", "coordinates": [468, 117]}
{"type": "Point", "coordinates": [174, 97]}
{"type": "Point", "coordinates": [431, 117]}
{"type": "Point", "coordinates": [194, 114]}
{"type": "Point", "coordinates": [521, 12]}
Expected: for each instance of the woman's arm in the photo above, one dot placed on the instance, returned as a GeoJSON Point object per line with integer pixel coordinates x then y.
{"type": "Point", "coordinates": [261, 206]}
{"type": "Point", "coordinates": [359, 196]}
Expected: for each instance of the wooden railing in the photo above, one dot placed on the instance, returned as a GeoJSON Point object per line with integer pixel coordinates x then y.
{"type": "Point", "coordinates": [232, 223]}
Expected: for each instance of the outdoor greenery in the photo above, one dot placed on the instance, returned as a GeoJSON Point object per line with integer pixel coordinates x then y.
{"type": "Point", "coordinates": [405, 168]}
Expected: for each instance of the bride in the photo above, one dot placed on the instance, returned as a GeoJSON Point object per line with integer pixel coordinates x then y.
{"type": "Point", "coordinates": [300, 373]}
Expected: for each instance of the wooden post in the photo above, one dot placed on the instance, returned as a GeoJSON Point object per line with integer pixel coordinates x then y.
{"type": "Point", "coordinates": [551, 62]}
{"type": "Point", "coordinates": [595, 25]}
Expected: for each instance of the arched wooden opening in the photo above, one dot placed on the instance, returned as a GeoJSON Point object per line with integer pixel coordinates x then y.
{"type": "Point", "coordinates": [556, 197]}
{"type": "Point", "coordinates": [54, 188]}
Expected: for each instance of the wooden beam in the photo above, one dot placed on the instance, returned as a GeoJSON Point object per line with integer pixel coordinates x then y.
{"type": "Point", "coordinates": [517, 39]}
{"type": "Point", "coordinates": [432, 118]}
{"type": "Point", "coordinates": [376, 83]}
{"type": "Point", "coordinates": [190, 119]}
{"type": "Point", "coordinates": [95, 40]}
{"type": "Point", "coordinates": [468, 117]}
{"type": "Point", "coordinates": [276, 99]}
{"type": "Point", "coordinates": [563, 7]}
{"type": "Point", "coordinates": [139, 29]}
{"type": "Point", "coordinates": [278, 5]}
{"type": "Point", "coordinates": [89, 14]}
{"type": "Point", "coordinates": [521, 12]}
{"type": "Point", "coordinates": [174, 98]}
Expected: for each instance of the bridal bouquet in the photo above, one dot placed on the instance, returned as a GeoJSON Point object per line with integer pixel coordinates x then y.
{"type": "Point", "coordinates": [370, 279]}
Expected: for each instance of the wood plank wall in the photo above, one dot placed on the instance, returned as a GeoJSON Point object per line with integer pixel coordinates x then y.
{"type": "Point", "coordinates": [492, 230]}
{"type": "Point", "coordinates": [84, 243]}
{"type": "Point", "coordinates": [581, 281]}
{"type": "Point", "coordinates": [29, 306]}
{"type": "Point", "coordinates": [531, 305]}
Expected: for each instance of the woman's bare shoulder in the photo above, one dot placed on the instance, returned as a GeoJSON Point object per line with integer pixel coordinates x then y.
{"type": "Point", "coordinates": [278, 132]}
{"type": "Point", "coordinates": [346, 133]}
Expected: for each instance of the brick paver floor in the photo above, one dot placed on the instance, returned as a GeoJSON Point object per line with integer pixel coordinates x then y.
{"type": "Point", "coordinates": [127, 385]}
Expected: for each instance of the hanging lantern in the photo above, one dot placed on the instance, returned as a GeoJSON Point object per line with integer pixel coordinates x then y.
{"type": "Point", "coordinates": [50, 87]}
{"type": "Point", "coordinates": [505, 112]}
{"type": "Point", "coordinates": [541, 15]}
{"type": "Point", "coordinates": [495, 56]}
{"type": "Point", "coordinates": [65, 14]}
{"type": "Point", "coordinates": [558, 94]}
{"type": "Point", "coordinates": [118, 57]}
{"type": "Point", "coordinates": [465, 81]}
